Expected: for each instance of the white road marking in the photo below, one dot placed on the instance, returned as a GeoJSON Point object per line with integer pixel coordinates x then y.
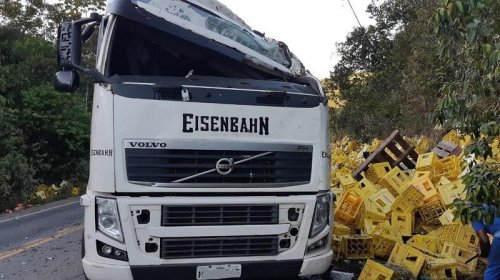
{"type": "Point", "coordinates": [37, 212]}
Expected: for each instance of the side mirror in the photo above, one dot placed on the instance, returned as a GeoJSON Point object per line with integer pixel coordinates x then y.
{"type": "Point", "coordinates": [67, 81]}
{"type": "Point", "coordinates": [70, 38]}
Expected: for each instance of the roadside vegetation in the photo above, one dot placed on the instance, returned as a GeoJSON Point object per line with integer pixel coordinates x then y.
{"type": "Point", "coordinates": [44, 134]}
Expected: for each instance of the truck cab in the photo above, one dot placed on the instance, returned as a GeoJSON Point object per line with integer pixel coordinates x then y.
{"type": "Point", "coordinates": [209, 154]}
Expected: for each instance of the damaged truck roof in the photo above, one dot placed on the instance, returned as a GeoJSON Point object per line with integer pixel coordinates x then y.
{"type": "Point", "coordinates": [213, 22]}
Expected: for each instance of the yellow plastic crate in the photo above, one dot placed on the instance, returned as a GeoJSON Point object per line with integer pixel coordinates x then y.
{"type": "Point", "coordinates": [338, 192]}
{"type": "Point", "coordinates": [387, 231]}
{"type": "Point", "coordinates": [443, 181]}
{"type": "Point", "coordinates": [383, 199]}
{"type": "Point", "coordinates": [450, 191]}
{"type": "Point", "coordinates": [401, 204]}
{"type": "Point", "coordinates": [357, 247]}
{"type": "Point", "coordinates": [384, 239]}
{"type": "Point", "coordinates": [426, 162]}
{"type": "Point", "coordinates": [372, 210]}
{"type": "Point", "coordinates": [408, 257]}
{"type": "Point", "coordinates": [431, 211]}
{"type": "Point", "coordinates": [347, 181]}
{"type": "Point", "coordinates": [340, 229]}
{"type": "Point", "coordinates": [348, 208]}
{"type": "Point", "coordinates": [376, 171]}
{"type": "Point", "coordinates": [409, 172]}
{"type": "Point", "coordinates": [448, 217]}
{"type": "Point", "coordinates": [369, 224]}
{"type": "Point", "coordinates": [403, 222]}
{"type": "Point", "coordinates": [466, 237]}
{"type": "Point", "coordinates": [448, 167]}
{"type": "Point", "coordinates": [419, 175]}
{"type": "Point", "coordinates": [452, 136]}
{"type": "Point", "coordinates": [336, 246]}
{"type": "Point", "coordinates": [413, 196]}
{"type": "Point", "coordinates": [395, 181]}
{"type": "Point", "coordinates": [431, 229]}
{"type": "Point", "coordinates": [458, 233]}
{"type": "Point", "coordinates": [440, 269]}
{"type": "Point", "coordinates": [375, 271]}
{"type": "Point", "coordinates": [425, 243]}
{"type": "Point", "coordinates": [422, 182]}
{"type": "Point", "coordinates": [365, 188]}
{"type": "Point", "coordinates": [461, 255]}
{"type": "Point", "coordinates": [423, 145]}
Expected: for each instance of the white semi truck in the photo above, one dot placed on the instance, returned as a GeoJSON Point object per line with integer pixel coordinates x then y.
{"type": "Point", "coordinates": [209, 147]}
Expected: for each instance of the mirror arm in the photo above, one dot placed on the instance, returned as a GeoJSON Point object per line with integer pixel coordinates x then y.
{"type": "Point", "coordinates": [79, 37]}
{"type": "Point", "coordinates": [89, 31]}
{"type": "Point", "coordinates": [96, 75]}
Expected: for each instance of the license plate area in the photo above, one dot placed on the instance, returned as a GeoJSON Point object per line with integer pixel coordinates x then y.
{"type": "Point", "coordinates": [218, 271]}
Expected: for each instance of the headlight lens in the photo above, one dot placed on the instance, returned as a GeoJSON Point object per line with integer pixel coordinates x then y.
{"type": "Point", "coordinates": [321, 214]}
{"type": "Point", "coordinates": [108, 218]}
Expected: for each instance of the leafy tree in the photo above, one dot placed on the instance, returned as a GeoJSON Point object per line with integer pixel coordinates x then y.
{"type": "Point", "coordinates": [57, 126]}
{"type": "Point", "coordinates": [387, 72]}
{"type": "Point", "coordinates": [16, 173]}
{"type": "Point", "coordinates": [469, 43]}
{"type": "Point", "coordinates": [38, 17]}
{"type": "Point", "coordinates": [44, 134]}
{"type": "Point", "coordinates": [26, 60]}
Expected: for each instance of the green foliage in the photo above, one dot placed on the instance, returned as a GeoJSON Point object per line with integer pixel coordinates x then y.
{"type": "Point", "coordinates": [57, 126]}
{"type": "Point", "coordinates": [387, 73]}
{"type": "Point", "coordinates": [44, 134]}
{"type": "Point", "coordinates": [469, 43]}
{"type": "Point", "coordinates": [16, 179]}
{"type": "Point", "coordinates": [26, 61]}
{"type": "Point", "coordinates": [37, 17]}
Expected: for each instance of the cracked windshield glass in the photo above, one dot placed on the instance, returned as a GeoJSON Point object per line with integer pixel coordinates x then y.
{"type": "Point", "coordinates": [196, 15]}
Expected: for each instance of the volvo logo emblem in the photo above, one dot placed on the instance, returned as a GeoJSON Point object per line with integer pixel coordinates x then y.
{"type": "Point", "coordinates": [224, 166]}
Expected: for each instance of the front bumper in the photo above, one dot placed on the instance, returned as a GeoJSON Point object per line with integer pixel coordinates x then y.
{"type": "Point", "coordinates": [101, 271]}
{"type": "Point", "coordinates": [288, 269]}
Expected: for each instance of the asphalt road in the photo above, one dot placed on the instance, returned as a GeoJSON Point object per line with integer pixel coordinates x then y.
{"type": "Point", "coordinates": [42, 242]}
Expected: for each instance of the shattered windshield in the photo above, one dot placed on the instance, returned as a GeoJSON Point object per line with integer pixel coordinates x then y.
{"type": "Point", "coordinates": [195, 15]}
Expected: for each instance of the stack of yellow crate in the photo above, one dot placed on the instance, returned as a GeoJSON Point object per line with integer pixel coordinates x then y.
{"type": "Point", "coordinates": [389, 205]}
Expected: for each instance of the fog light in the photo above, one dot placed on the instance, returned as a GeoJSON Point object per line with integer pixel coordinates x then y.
{"type": "Point", "coordinates": [107, 250]}
{"type": "Point", "coordinates": [118, 253]}
{"type": "Point", "coordinates": [317, 245]}
{"type": "Point", "coordinates": [110, 252]}
{"type": "Point", "coordinates": [293, 214]}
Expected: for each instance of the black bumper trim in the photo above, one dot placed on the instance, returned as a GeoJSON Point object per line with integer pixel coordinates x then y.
{"type": "Point", "coordinates": [250, 271]}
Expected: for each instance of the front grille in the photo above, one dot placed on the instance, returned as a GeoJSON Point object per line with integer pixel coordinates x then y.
{"type": "Point", "coordinates": [170, 165]}
{"type": "Point", "coordinates": [219, 215]}
{"type": "Point", "coordinates": [206, 247]}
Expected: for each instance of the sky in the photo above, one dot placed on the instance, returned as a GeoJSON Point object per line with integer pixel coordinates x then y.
{"type": "Point", "coordinates": [310, 28]}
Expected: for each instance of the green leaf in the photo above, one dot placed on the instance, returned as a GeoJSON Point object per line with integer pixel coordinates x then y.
{"type": "Point", "coordinates": [460, 7]}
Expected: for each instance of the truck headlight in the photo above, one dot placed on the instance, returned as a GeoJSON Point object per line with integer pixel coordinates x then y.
{"type": "Point", "coordinates": [108, 218]}
{"type": "Point", "coordinates": [321, 214]}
